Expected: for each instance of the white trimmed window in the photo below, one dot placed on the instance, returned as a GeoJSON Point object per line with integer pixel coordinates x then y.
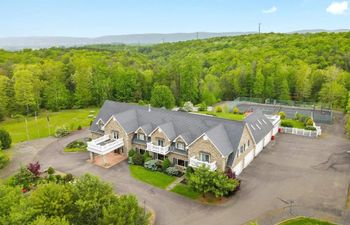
{"type": "Point", "coordinates": [141, 136]}
{"type": "Point", "coordinates": [204, 157]}
{"type": "Point", "coordinates": [180, 145]}
{"type": "Point", "coordinates": [160, 142]}
{"type": "Point", "coordinates": [115, 134]}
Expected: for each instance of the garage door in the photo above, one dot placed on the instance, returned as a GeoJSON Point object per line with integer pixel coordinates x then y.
{"type": "Point", "coordinates": [267, 139]}
{"type": "Point", "coordinates": [259, 147]}
{"type": "Point", "coordinates": [238, 168]}
{"type": "Point", "coordinates": [248, 158]}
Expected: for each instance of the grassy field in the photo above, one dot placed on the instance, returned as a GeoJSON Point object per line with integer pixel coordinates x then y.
{"type": "Point", "coordinates": [39, 129]}
{"type": "Point", "coordinates": [224, 115]}
{"type": "Point", "coordinates": [154, 178]}
{"type": "Point", "coordinates": [305, 221]}
{"type": "Point", "coordinates": [186, 191]}
{"type": "Point", "coordinates": [294, 123]}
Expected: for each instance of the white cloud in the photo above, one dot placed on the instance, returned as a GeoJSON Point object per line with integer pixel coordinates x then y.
{"type": "Point", "coordinates": [338, 8]}
{"type": "Point", "coordinates": [271, 10]}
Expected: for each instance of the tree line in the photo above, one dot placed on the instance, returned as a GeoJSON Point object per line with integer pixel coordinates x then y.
{"type": "Point", "coordinates": [302, 67]}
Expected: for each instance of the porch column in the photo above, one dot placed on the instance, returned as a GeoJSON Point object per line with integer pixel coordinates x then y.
{"type": "Point", "coordinates": [92, 156]}
{"type": "Point", "coordinates": [104, 160]}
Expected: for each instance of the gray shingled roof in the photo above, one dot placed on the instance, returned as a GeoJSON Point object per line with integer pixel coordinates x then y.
{"type": "Point", "coordinates": [224, 133]}
{"type": "Point", "coordinates": [259, 125]}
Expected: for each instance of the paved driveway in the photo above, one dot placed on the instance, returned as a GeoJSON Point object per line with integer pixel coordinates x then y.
{"type": "Point", "coordinates": [314, 173]}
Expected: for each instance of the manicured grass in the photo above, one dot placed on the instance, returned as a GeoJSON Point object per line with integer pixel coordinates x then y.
{"type": "Point", "coordinates": [68, 118]}
{"type": "Point", "coordinates": [186, 191]}
{"type": "Point", "coordinates": [74, 149]}
{"type": "Point", "coordinates": [155, 178]}
{"type": "Point", "coordinates": [224, 115]}
{"type": "Point", "coordinates": [305, 221]}
{"type": "Point", "coordinates": [294, 123]}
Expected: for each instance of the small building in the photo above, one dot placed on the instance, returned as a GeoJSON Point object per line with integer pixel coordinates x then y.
{"type": "Point", "coordinates": [185, 139]}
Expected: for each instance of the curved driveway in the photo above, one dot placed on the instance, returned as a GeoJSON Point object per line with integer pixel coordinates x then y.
{"type": "Point", "coordinates": [292, 168]}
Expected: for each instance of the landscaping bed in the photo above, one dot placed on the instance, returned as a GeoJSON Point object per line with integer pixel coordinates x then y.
{"type": "Point", "coordinates": [77, 145]}
{"type": "Point", "coordinates": [305, 221]}
{"type": "Point", "coordinates": [292, 123]}
{"type": "Point", "coordinates": [155, 178]}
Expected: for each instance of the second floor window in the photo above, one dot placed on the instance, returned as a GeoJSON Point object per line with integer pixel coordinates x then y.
{"type": "Point", "coordinates": [115, 134]}
{"type": "Point", "coordinates": [204, 157]}
{"type": "Point", "coordinates": [180, 145]}
{"type": "Point", "coordinates": [141, 137]}
{"type": "Point", "coordinates": [160, 142]}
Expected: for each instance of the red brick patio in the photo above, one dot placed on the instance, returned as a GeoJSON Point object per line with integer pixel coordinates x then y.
{"type": "Point", "coordinates": [110, 160]}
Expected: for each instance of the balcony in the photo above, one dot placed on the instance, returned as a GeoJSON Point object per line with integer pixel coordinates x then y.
{"type": "Point", "coordinates": [104, 145]}
{"type": "Point", "coordinates": [157, 149]}
{"type": "Point", "coordinates": [197, 163]}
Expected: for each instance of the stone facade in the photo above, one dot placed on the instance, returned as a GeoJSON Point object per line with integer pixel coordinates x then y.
{"type": "Point", "coordinates": [95, 135]}
{"type": "Point", "coordinates": [171, 157]}
{"type": "Point", "coordinates": [201, 145]}
{"type": "Point", "coordinates": [159, 134]}
{"type": "Point", "coordinates": [113, 125]}
{"type": "Point", "coordinates": [244, 140]}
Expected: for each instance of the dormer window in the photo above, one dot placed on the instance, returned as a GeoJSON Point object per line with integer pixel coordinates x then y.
{"type": "Point", "coordinates": [180, 145]}
{"type": "Point", "coordinates": [100, 124]}
{"type": "Point", "coordinates": [204, 157]}
{"type": "Point", "coordinates": [141, 137]}
{"type": "Point", "coordinates": [115, 135]}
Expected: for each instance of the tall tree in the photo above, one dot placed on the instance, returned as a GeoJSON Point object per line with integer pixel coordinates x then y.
{"type": "Point", "coordinates": [162, 97]}
{"type": "Point", "coordinates": [258, 88]}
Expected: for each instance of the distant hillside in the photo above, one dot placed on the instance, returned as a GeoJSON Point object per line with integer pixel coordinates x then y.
{"type": "Point", "coordinates": [17, 43]}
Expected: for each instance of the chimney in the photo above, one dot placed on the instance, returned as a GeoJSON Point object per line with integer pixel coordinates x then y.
{"type": "Point", "coordinates": [149, 107]}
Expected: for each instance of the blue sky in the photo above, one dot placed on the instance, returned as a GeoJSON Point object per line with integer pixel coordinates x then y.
{"type": "Point", "coordinates": [91, 18]}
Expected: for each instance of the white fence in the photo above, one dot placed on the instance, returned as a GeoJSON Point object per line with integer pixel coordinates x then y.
{"type": "Point", "coordinates": [302, 132]}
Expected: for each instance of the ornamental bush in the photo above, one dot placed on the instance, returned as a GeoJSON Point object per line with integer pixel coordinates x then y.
{"type": "Point", "coordinates": [286, 124]}
{"type": "Point", "coordinates": [137, 159]}
{"type": "Point", "coordinates": [172, 171]}
{"type": "Point", "coordinates": [4, 159]}
{"type": "Point", "coordinates": [235, 110]}
{"type": "Point", "coordinates": [151, 165]}
{"type": "Point", "coordinates": [310, 128]}
{"type": "Point", "coordinates": [202, 106]}
{"type": "Point", "coordinates": [5, 139]}
{"type": "Point", "coordinates": [309, 122]}
{"type": "Point", "coordinates": [50, 170]}
{"type": "Point", "coordinates": [131, 153]}
{"type": "Point", "coordinates": [165, 164]}
{"type": "Point", "coordinates": [282, 115]}
{"type": "Point", "coordinates": [218, 109]}
{"type": "Point", "coordinates": [61, 132]}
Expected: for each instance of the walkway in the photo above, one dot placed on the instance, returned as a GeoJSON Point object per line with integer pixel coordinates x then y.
{"type": "Point", "coordinates": [177, 181]}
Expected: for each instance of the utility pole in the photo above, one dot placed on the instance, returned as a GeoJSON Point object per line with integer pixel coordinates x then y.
{"type": "Point", "coordinates": [259, 28]}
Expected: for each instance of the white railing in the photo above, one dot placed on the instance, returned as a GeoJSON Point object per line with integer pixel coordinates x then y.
{"type": "Point", "coordinates": [157, 149]}
{"type": "Point", "coordinates": [301, 132]}
{"type": "Point", "coordinates": [96, 146]}
{"type": "Point", "coordinates": [197, 163]}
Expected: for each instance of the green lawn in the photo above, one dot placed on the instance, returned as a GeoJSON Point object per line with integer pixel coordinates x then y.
{"type": "Point", "coordinates": [294, 123]}
{"type": "Point", "coordinates": [186, 191]}
{"type": "Point", "coordinates": [69, 118]}
{"type": "Point", "coordinates": [75, 150]}
{"type": "Point", "coordinates": [224, 115]}
{"type": "Point", "coordinates": [157, 179]}
{"type": "Point", "coordinates": [305, 221]}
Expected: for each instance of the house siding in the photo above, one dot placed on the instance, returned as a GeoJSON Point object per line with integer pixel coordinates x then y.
{"type": "Point", "coordinates": [245, 137]}
{"type": "Point", "coordinates": [159, 135]}
{"type": "Point", "coordinates": [113, 125]}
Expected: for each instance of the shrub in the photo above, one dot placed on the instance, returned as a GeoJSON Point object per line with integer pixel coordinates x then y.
{"type": "Point", "coordinates": [77, 144]}
{"type": "Point", "coordinates": [61, 132]}
{"type": "Point", "coordinates": [23, 178]}
{"type": "Point", "coordinates": [137, 159]}
{"type": "Point", "coordinates": [151, 165]}
{"type": "Point", "coordinates": [218, 109]}
{"type": "Point", "coordinates": [225, 108]}
{"type": "Point", "coordinates": [50, 170]}
{"type": "Point", "coordinates": [130, 160]}
{"type": "Point", "coordinates": [188, 106]}
{"type": "Point", "coordinates": [286, 124]}
{"type": "Point", "coordinates": [172, 171]}
{"type": "Point", "coordinates": [34, 168]}
{"type": "Point", "coordinates": [309, 122]}
{"type": "Point", "coordinates": [5, 139]}
{"type": "Point", "coordinates": [310, 128]}
{"type": "Point", "coordinates": [4, 159]}
{"type": "Point", "coordinates": [298, 116]}
{"type": "Point", "coordinates": [165, 164]}
{"type": "Point", "coordinates": [282, 115]}
{"type": "Point", "coordinates": [202, 106]}
{"type": "Point", "coordinates": [235, 110]}
{"type": "Point", "coordinates": [131, 153]}
{"type": "Point", "coordinates": [189, 171]}
{"type": "Point", "coordinates": [68, 178]}
{"type": "Point", "coordinates": [146, 156]}
{"type": "Point", "coordinates": [230, 174]}
{"type": "Point", "coordinates": [79, 127]}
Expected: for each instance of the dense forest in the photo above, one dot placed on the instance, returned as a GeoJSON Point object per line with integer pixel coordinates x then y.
{"type": "Point", "coordinates": [302, 67]}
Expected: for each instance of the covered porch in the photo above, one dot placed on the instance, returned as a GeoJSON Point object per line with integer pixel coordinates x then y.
{"type": "Point", "coordinates": [106, 151]}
